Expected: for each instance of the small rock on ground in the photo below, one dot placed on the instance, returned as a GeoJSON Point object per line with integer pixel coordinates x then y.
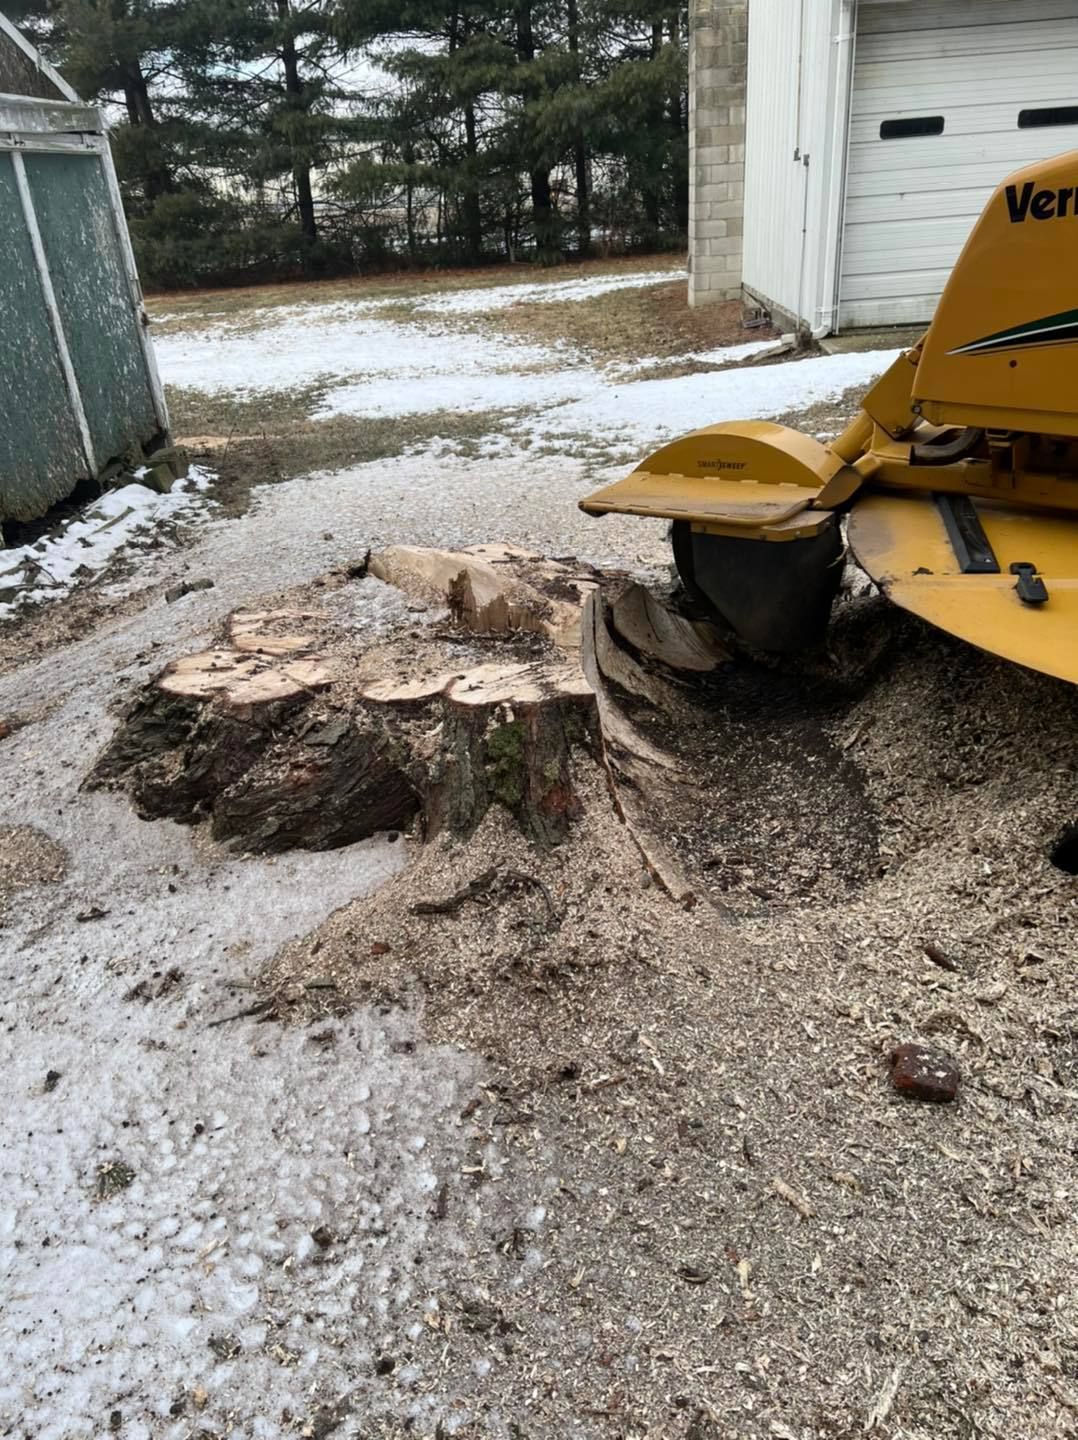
{"type": "Point", "coordinates": [924, 1074]}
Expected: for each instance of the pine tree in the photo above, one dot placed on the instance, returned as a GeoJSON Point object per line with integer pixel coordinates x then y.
{"type": "Point", "coordinates": [259, 78]}
{"type": "Point", "coordinates": [116, 49]}
{"type": "Point", "coordinates": [640, 110]}
{"type": "Point", "coordinates": [512, 126]}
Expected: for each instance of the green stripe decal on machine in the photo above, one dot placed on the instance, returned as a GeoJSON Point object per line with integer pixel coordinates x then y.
{"type": "Point", "coordinates": [1052, 330]}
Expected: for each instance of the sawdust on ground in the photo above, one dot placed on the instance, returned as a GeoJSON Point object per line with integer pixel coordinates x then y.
{"type": "Point", "coordinates": [704, 1212]}
{"type": "Point", "coordinates": [27, 857]}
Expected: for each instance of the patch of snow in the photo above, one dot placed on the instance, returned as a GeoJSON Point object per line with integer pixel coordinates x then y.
{"type": "Point", "coordinates": [471, 389]}
{"type": "Point", "coordinates": [298, 345]}
{"type": "Point", "coordinates": [86, 543]}
{"type": "Point", "coordinates": [372, 367]}
{"type": "Point", "coordinates": [199, 1285]}
{"type": "Point", "coordinates": [501, 297]}
{"type": "Point", "coordinates": [721, 355]}
{"type": "Point", "coordinates": [580, 401]}
{"type": "Point", "coordinates": [648, 410]}
{"type": "Point", "coordinates": [308, 345]}
{"type": "Point", "coordinates": [734, 354]}
{"type": "Point", "coordinates": [464, 393]}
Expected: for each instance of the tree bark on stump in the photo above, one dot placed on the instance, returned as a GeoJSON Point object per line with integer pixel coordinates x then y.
{"type": "Point", "coordinates": [290, 734]}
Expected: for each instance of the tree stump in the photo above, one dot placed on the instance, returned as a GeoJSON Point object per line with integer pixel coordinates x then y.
{"type": "Point", "coordinates": [290, 733]}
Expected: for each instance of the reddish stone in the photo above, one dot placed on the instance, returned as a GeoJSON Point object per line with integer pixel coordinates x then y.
{"type": "Point", "coordinates": [380, 948]}
{"type": "Point", "coordinates": [924, 1074]}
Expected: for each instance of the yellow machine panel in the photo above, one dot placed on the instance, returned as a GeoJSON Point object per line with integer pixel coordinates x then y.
{"type": "Point", "coordinates": [958, 480]}
{"type": "Point", "coordinates": [993, 356]}
{"type": "Point", "coordinates": [902, 542]}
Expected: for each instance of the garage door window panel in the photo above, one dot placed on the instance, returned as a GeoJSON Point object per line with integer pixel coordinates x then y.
{"type": "Point", "coordinates": [1050, 115]}
{"type": "Point", "coordinates": [912, 199]}
{"type": "Point", "coordinates": [912, 127]}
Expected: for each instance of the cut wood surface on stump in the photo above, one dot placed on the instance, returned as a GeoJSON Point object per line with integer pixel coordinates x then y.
{"type": "Point", "coordinates": [293, 731]}
{"type": "Point", "coordinates": [493, 589]}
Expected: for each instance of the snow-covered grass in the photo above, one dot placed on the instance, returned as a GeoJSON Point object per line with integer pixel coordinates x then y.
{"type": "Point", "coordinates": [298, 347]}
{"type": "Point", "coordinates": [548, 292]}
{"type": "Point", "coordinates": [642, 413]}
{"type": "Point", "coordinates": [581, 400]}
{"type": "Point", "coordinates": [86, 543]}
{"type": "Point", "coordinates": [368, 365]}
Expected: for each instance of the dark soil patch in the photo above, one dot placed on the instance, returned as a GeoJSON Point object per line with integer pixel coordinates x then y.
{"type": "Point", "coordinates": [192, 305]}
{"type": "Point", "coordinates": [787, 817]}
{"type": "Point", "coordinates": [634, 322]}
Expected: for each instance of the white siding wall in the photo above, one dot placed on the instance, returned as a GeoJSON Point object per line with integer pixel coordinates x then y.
{"type": "Point", "coordinates": [973, 64]}
{"type": "Point", "coordinates": [796, 107]}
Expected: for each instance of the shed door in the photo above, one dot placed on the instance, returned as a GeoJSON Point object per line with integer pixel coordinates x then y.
{"type": "Point", "coordinates": [948, 99]}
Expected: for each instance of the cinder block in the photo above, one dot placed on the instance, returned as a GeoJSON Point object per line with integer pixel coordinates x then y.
{"type": "Point", "coordinates": [723, 246]}
{"type": "Point", "coordinates": [717, 87]}
{"type": "Point", "coordinates": [725, 210]}
{"type": "Point", "coordinates": [717, 195]}
{"type": "Point", "coordinates": [710, 194]}
{"type": "Point", "coordinates": [712, 155]}
{"type": "Point", "coordinates": [707, 54]}
{"type": "Point", "coordinates": [707, 118]}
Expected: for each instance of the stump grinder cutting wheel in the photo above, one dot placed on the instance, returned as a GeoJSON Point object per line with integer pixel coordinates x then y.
{"type": "Point", "coordinates": [958, 481]}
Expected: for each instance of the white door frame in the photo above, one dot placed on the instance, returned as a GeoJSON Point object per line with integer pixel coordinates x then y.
{"type": "Point", "coordinates": [844, 41]}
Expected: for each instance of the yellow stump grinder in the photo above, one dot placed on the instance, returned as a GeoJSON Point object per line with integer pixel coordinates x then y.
{"type": "Point", "coordinates": [956, 485]}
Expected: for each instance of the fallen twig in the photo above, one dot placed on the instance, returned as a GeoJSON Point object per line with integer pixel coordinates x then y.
{"type": "Point", "coordinates": [803, 1207]}
{"type": "Point", "coordinates": [452, 903]}
{"type": "Point", "coordinates": [533, 880]}
{"type": "Point", "coordinates": [259, 1009]}
{"type": "Point", "coordinates": [885, 1399]}
{"type": "Point", "coordinates": [37, 565]}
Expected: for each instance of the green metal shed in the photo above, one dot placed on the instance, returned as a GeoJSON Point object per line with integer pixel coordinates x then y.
{"type": "Point", "coordinates": [79, 387]}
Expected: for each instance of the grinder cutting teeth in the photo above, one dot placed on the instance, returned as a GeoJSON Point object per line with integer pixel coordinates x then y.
{"type": "Point", "coordinates": [958, 479]}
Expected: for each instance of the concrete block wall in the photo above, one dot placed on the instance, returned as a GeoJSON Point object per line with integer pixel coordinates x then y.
{"type": "Point", "coordinates": [718, 62]}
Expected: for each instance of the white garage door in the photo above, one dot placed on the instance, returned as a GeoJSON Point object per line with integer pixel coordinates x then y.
{"type": "Point", "coordinates": [948, 98]}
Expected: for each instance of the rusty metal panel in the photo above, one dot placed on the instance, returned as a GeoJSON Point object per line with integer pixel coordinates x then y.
{"type": "Point", "coordinates": [41, 453]}
{"type": "Point", "coordinates": [98, 313]}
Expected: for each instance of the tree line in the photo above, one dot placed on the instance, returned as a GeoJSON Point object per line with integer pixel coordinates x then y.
{"type": "Point", "coordinates": [265, 138]}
